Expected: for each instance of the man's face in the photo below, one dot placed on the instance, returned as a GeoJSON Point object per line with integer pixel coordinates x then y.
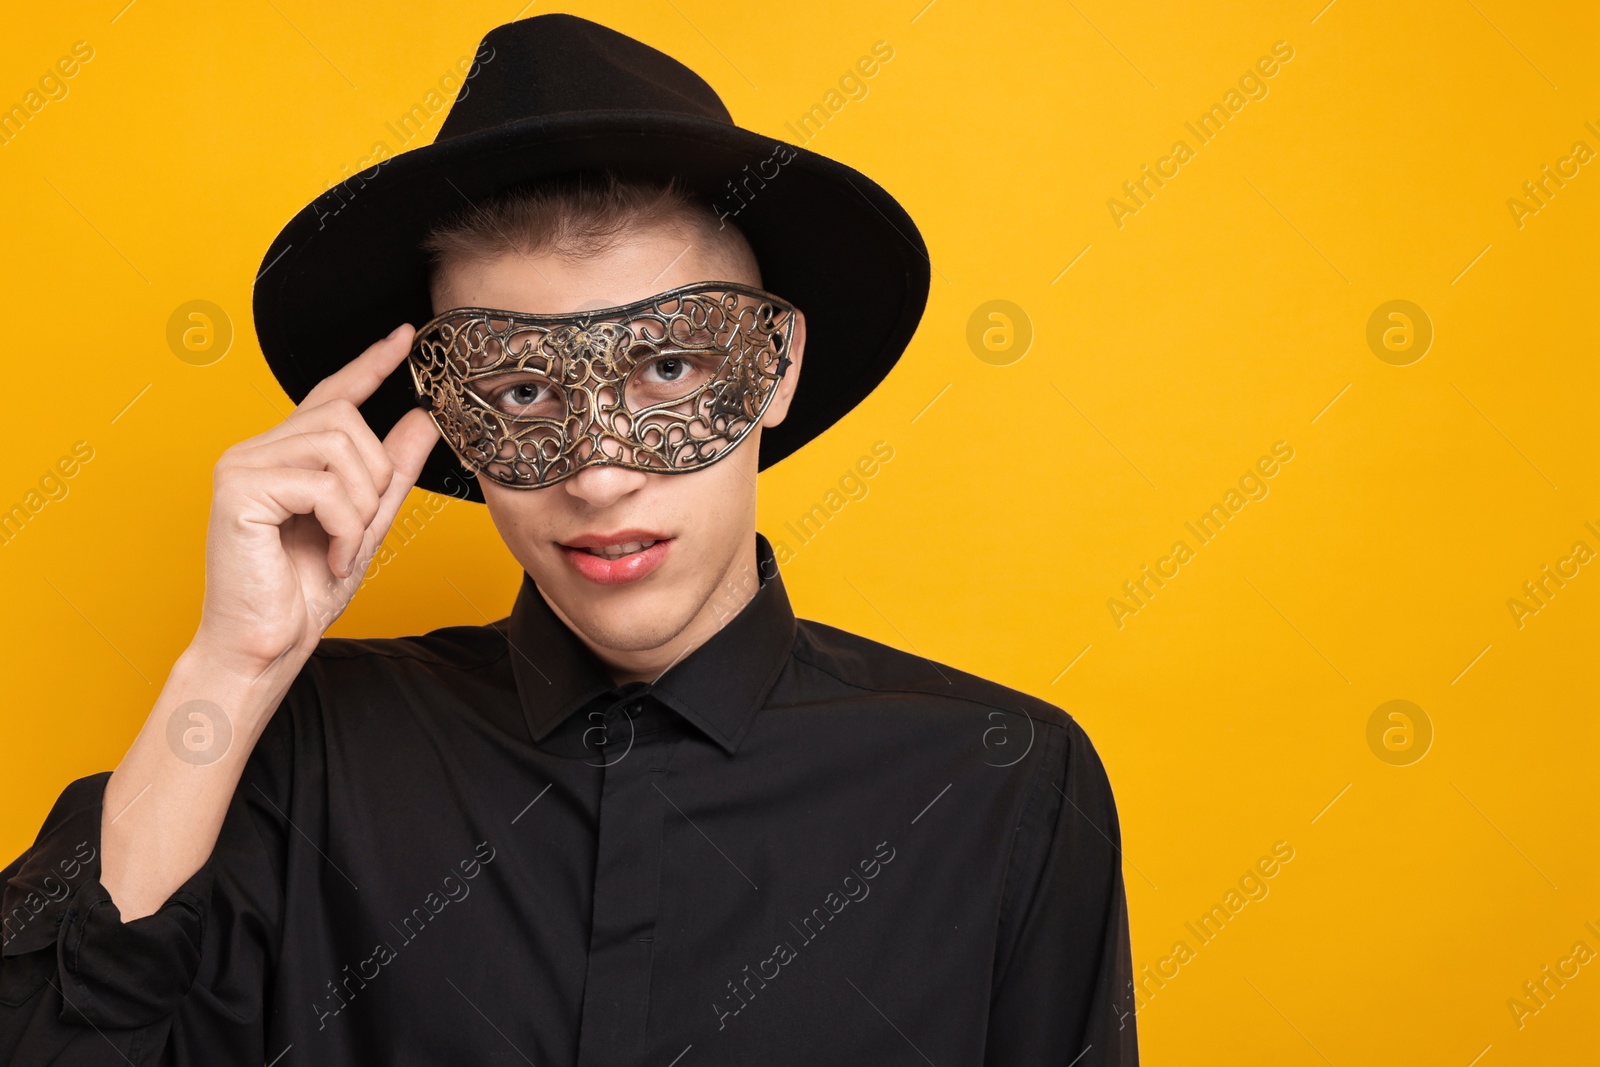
{"type": "Point", "coordinates": [703, 521]}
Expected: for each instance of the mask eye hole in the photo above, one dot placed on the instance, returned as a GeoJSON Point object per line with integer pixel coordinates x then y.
{"type": "Point", "coordinates": [521, 395]}
{"type": "Point", "coordinates": [669, 375]}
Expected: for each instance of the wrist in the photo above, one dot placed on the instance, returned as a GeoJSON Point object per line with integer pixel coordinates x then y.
{"type": "Point", "coordinates": [207, 654]}
{"type": "Point", "coordinates": [247, 689]}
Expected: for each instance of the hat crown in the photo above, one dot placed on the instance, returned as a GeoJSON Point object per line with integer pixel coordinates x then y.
{"type": "Point", "coordinates": [549, 64]}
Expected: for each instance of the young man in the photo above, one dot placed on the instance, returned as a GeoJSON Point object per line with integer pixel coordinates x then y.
{"type": "Point", "coordinates": [650, 817]}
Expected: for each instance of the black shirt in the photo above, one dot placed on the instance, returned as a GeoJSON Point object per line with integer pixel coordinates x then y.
{"type": "Point", "coordinates": [796, 846]}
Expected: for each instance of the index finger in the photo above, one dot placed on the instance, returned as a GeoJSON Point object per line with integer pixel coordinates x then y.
{"type": "Point", "coordinates": [360, 378]}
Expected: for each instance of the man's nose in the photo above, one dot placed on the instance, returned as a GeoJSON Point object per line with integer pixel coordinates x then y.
{"type": "Point", "coordinates": [602, 485]}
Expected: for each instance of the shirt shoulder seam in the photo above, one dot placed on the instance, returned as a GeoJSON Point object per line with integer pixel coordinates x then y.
{"type": "Point", "coordinates": [1065, 723]}
{"type": "Point", "coordinates": [1029, 853]}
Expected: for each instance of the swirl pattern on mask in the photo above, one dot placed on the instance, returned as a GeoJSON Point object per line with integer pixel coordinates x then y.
{"type": "Point", "coordinates": [601, 408]}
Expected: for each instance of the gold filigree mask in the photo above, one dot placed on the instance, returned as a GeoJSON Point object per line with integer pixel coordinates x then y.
{"type": "Point", "coordinates": [667, 385]}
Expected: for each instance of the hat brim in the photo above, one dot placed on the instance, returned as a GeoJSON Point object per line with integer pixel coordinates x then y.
{"type": "Point", "coordinates": [346, 270]}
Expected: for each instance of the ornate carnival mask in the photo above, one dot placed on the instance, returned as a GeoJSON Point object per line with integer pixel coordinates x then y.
{"type": "Point", "coordinates": [668, 384]}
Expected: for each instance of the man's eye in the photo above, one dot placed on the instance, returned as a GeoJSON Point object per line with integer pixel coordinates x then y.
{"type": "Point", "coordinates": [668, 369]}
{"type": "Point", "coordinates": [526, 398]}
{"type": "Point", "coordinates": [668, 377]}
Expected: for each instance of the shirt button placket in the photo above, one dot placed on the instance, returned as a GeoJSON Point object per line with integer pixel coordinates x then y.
{"type": "Point", "coordinates": [616, 996]}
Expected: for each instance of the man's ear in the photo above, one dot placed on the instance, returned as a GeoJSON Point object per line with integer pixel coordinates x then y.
{"type": "Point", "coordinates": [779, 408]}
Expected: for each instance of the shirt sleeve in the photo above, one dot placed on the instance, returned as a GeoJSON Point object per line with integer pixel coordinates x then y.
{"type": "Point", "coordinates": [182, 986]}
{"type": "Point", "coordinates": [1063, 981]}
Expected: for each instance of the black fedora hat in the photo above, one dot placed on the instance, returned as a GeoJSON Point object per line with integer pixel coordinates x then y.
{"type": "Point", "coordinates": [556, 94]}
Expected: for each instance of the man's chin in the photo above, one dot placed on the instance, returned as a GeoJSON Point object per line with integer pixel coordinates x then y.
{"type": "Point", "coordinates": [629, 636]}
{"type": "Point", "coordinates": [626, 619]}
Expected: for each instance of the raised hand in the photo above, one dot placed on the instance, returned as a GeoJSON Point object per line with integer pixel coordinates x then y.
{"type": "Point", "coordinates": [298, 511]}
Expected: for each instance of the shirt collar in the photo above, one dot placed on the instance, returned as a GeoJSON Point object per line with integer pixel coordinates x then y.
{"type": "Point", "coordinates": [718, 687]}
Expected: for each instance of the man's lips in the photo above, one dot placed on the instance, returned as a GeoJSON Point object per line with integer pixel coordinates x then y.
{"type": "Point", "coordinates": [618, 537]}
{"type": "Point", "coordinates": [629, 555]}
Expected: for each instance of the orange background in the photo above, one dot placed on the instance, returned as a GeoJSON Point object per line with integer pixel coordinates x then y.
{"type": "Point", "coordinates": [1169, 348]}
